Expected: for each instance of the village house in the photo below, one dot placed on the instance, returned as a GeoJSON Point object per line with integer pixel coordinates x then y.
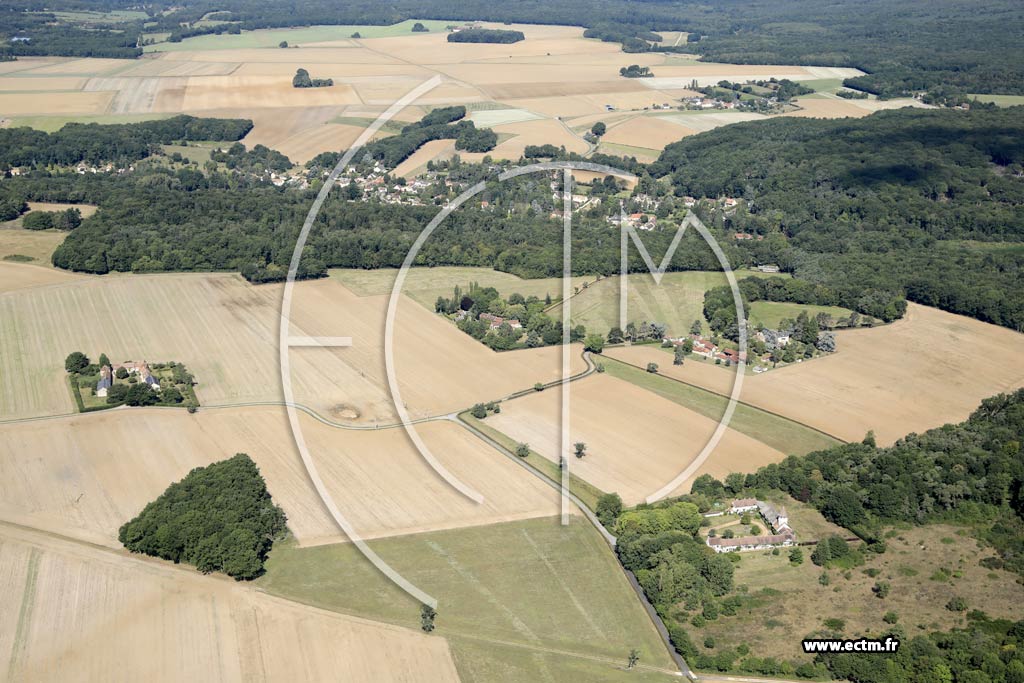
{"type": "Point", "coordinates": [106, 381]}
{"type": "Point", "coordinates": [776, 519]}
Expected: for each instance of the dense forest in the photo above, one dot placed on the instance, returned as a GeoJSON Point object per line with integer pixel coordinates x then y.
{"type": "Point", "coordinates": [485, 35]}
{"type": "Point", "coordinates": [926, 202]}
{"type": "Point", "coordinates": [95, 143]}
{"type": "Point", "coordinates": [218, 518]}
{"type": "Point", "coordinates": [946, 48]}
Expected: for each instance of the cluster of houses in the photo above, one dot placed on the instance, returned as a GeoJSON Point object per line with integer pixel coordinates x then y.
{"type": "Point", "coordinates": [496, 321]}
{"type": "Point", "coordinates": [374, 185]}
{"type": "Point", "coordinates": [707, 348]}
{"type": "Point", "coordinates": [140, 370]}
{"type": "Point", "coordinates": [697, 102]}
{"type": "Point", "coordinates": [776, 518]}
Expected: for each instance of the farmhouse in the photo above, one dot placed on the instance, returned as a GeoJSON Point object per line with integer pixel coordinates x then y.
{"type": "Point", "coordinates": [497, 321]}
{"type": "Point", "coordinates": [741, 505]}
{"type": "Point", "coordinates": [142, 370]}
{"type": "Point", "coordinates": [106, 381]}
{"type": "Point", "coordinates": [726, 545]}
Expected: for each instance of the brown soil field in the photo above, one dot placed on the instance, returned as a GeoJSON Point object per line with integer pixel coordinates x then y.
{"type": "Point", "coordinates": [377, 479]}
{"type": "Point", "coordinates": [226, 332]}
{"type": "Point", "coordinates": [912, 375]}
{"type": "Point", "coordinates": [72, 612]}
{"type": "Point", "coordinates": [636, 441]}
{"type": "Point", "coordinates": [646, 131]}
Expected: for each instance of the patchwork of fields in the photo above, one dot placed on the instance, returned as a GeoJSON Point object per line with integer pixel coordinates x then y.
{"type": "Point", "coordinates": [538, 91]}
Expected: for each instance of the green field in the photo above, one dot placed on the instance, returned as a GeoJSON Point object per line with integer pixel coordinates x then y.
{"type": "Point", "coordinates": [1001, 100]}
{"type": "Point", "coordinates": [424, 285]}
{"type": "Point", "coordinates": [522, 601]}
{"type": "Point", "coordinates": [294, 36]}
{"type": "Point", "coordinates": [769, 313]}
{"type": "Point", "coordinates": [53, 123]}
{"type": "Point", "coordinates": [90, 17]}
{"type": "Point", "coordinates": [783, 434]}
{"type": "Point", "coordinates": [676, 302]}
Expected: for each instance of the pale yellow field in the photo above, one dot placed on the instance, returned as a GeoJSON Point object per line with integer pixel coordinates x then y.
{"type": "Point", "coordinates": [554, 73]}
{"type": "Point", "coordinates": [19, 104]}
{"type": "Point", "coordinates": [377, 479]}
{"type": "Point", "coordinates": [25, 275]}
{"type": "Point", "coordinates": [921, 372]}
{"type": "Point", "coordinates": [416, 164]}
{"type": "Point", "coordinates": [636, 441]}
{"type": "Point", "coordinates": [226, 332]}
{"type": "Point", "coordinates": [71, 612]}
{"type": "Point", "coordinates": [647, 131]}
{"type": "Point", "coordinates": [85, 209]}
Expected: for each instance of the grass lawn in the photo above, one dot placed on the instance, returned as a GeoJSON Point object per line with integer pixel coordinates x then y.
{"type": "Point", "coordinates": [532, 586]}
{"type": "Point", "coordinates": [788, 603]}
{"type": "Point", "coordinates": [54, 123]}
{"type": "Point", "coordinates": [676, 302]}
{"type": "Point", "coordinates": [769, 313]}
{"type": "Point", "coordinates": [424, 285]}
{"type": "Point", "coordinates": [773, 430]}
{"type": "Point", "coordinates": [35, 244]}
{"type": "Point", "coordinates": [1001, 100]}
{"type": "Point", "coordinates": [294, 36]}
{"type": "Point", "coordinates": [586, 491]}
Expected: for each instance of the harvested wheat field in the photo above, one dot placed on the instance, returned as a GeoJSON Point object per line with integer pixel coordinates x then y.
{"type": "Point", "coordinates": [76, 102]}
{"type": "Point", "coordinates": [25, 275]}
{"type": "Point", "coordinates": [647, 131]}
{"type": "Point", "coordinates": [226, 332]}
{"type": "Point", "coordinates": [73, 612]}
{"type": "Point", "coordinates": [912, 375]}
{"type": "Point", "coordinates": [435, 150]}
{"type": "Point", "coordinates": [636, 441]}
{"type": "Point", "coordinates": [379, 482]}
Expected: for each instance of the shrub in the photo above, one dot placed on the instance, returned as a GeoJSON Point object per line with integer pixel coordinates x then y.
{"type": "Point", "coordinates": [957, 604]}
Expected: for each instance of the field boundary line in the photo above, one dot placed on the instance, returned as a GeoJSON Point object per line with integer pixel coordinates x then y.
{"type": "Point", "coordinates": [743, 403]}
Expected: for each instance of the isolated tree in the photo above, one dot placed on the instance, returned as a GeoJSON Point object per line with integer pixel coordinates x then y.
{"type": "Point", "coordinates": [634, 657]}
{"type": "Point", "coordinates": [76, 362]}
{"type": "Point", "coordinates": [523, 450]}
{"type": "Point", "coordinates": [302, 79]}
{"type": "Point", "coordinates": [678, 355]}
{"type": "Point", "coordinates": [796, 556]}
{"type": "Point", "coordinates": [283, 44]}
{"type": "Point", "coordinates": [594, 343]}
{"type": "Point", "coordinates": [652, 368]}
{"type": "Point", "coordinates": [696, 327]}
{"type": "Point", "coordinates": [599, 129]}
{"type": "Point", "coordinates": [478, 411]}
{"type": "Point", "coordinates": [538, 386]}
{"type": "Point", "coordinates": [419, 28]}
{"type": "Point", "coordinates": [581, 449]}
{"type": "Point", "coordinates": [608, 509]}
{"type": "Point", "coordinates": [427, 616]}
{"type": "Point", "coordinates": [356, 35]}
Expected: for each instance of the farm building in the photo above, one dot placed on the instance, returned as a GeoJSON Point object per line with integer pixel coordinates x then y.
{"type": "Point", "coordinates": [727, 545]}
{"type": "Point", "coordinates": [741, 505]}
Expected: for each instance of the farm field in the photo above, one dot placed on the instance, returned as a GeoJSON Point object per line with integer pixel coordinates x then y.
{"type": "Point", "coordinates": [676, 302]}
{"type": "Point", "coordinates": [226, 332]}
{"type": "Point", "coordinates": [636, 440]}
{"type": "Point", "coordinates": [788, 599]}
{"type": "Point", "coordinates": [769, 313]}
{"type": "Point", "coordinates": [524, 87]}
{"type": "Point", "coordinates": [379, 482]}
{"type": "Point", "coordinates": [25, 275]}
{"type": "Point", "coordinates": [917, 373]}
{"type": "Point", "coordinates": [73, 612]}
{"type": "Point", "coordinates": [510, 589]}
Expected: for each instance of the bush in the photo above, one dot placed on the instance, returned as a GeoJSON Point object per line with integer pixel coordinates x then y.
{"type": "Point", "coordinates": [890, 618]}
{"type": "Point", "coordinates": [957, 604]}
{"type": "Point", "coordinates": [881, 589]}
{"type": "Point", "coordinates": [523, 450]}
{"type": "Point", "coordinates": [652, 367]}
{"type": "Point", "coordinates": [478, 411]}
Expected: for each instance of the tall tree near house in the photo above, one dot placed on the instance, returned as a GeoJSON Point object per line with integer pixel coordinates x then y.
{"type": "Point", "coordinates": [696, 327]}
{"type": "Point", "coordinates": [76, 361]}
